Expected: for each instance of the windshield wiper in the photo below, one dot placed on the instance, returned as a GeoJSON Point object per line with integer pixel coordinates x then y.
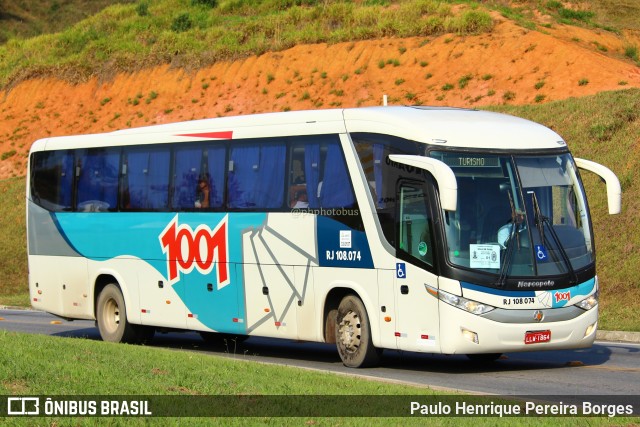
{"type": "Point", "coordinates": [540, 221]}
{"type": "Point", "coordinates": [516, 220]}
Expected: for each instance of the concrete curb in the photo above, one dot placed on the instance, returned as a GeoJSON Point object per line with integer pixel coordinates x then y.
{"type": "Point", "coordinates": [612, 336]}
{"type": "Point", "coordinates": [618, 336]}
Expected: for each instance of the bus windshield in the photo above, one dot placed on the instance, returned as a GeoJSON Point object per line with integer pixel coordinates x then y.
{"type": "Point", "coordinates": [517, 216]}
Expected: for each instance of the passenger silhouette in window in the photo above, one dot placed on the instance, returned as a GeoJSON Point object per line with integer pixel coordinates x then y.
{"type": "Point", "coordinates": [202, 192]}
{"type": "Point", "coordinates": [300, 199]}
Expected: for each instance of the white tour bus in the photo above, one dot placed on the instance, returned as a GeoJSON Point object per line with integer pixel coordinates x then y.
{"type": "Point", "coordinates": [434, 230]}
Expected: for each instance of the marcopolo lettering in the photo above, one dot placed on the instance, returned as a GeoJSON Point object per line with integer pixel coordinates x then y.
{"type": "Point", "coordinates": [407, 168]}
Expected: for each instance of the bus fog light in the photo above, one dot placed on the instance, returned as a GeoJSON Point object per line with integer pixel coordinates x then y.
{"type": "Point", "coordinates": [590, 329]}
{"type": "Point", "coordinates": [470, 335]}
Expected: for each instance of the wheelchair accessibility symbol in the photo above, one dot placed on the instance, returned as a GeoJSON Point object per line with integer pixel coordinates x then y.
{"type": "Point", "coordinates": [541, 253]}
{"type": "Point", "coordinates": [401, 270]}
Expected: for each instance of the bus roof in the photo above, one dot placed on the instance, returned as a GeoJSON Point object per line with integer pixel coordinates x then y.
{"type": "Point", "coordinates": [440, 126]}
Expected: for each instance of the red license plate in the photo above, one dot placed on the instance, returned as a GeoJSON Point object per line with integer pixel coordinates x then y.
{"type": "Point", "coordinates": [535, 337]}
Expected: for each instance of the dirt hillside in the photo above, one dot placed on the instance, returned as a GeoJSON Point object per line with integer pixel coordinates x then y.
{"type": "Point", "coordinates": [509, 65]}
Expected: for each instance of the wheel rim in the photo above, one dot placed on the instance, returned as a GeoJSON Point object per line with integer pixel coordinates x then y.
{"type": "Point", "coordinates": [111, 316]}
{"type": "Point", "coordinates": [350, 331]}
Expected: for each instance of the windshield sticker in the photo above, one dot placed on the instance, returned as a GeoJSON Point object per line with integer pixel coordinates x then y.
{"type": "Point", "coordinates": [541, 253]}
{"type": "Point", "coordinates": [485, 256]}
{"type": "Point", "coordinates": [422, 248]}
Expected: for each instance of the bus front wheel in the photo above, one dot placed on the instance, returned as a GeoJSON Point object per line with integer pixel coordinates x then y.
{"type": "Point", "coordinates": [353, 334]}
{"type": "Point", "coordinates": [111, 316]}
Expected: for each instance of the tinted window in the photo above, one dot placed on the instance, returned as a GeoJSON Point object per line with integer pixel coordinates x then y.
{"type": "Point", "coordinates": [256, 176]}
{"type": "Point", "coordinates": [52, 179]}
{"type": "Point", "coordinates": [97, 188]}
{"type": "Point", "coordinates": [382, 174]}
{"type": "Point", "coordinates": [146, 179]}
{"type": "Point", "coordinates": [318, 176]}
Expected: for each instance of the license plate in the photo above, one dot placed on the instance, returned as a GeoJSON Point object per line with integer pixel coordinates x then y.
{"type": "Point", "coordinates": [535, 337]}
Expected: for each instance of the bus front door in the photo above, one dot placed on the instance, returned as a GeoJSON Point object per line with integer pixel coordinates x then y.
{"type": "Point", "coordinates": [416, 311]}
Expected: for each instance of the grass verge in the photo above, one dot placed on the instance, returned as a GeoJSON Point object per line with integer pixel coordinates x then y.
{"type": "Point", "coordinates": [43, 365]}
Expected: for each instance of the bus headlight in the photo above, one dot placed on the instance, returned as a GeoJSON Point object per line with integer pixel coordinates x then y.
{"type": "Point", "coordinates": [471, 306]}
{"type": "Point", "coordinates": [589, 302]}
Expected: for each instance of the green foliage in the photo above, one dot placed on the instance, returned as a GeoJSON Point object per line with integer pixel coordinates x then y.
{"type": "Point", "coordinates": [553, 4]}
{"type": "Point", "coordinates": [152, 95]}
{"type": "Point", "coordinates": [30, 18]}
{"type": "Point", "coordinates": [181, 23]}
{"type": "Point", "coordinates": [8, 154]}
{"type": "Point", "coordinates": [209, 3]}
{"type": "Point", "coordinates": [631, 52]}
{"type": "Point", "coordinates": [464, 81]}
{"type": "Point", "coordinates": [578, 15]}
{"type": "Point", "coordinates": [508, 96]}
{"type": "Point", "coordinates": [142, 9]}
{"type": "Point", "coordinates": [125, 37]}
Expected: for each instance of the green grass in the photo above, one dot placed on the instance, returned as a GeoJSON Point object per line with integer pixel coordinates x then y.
{"type": "Point", "coordinates": [617, 14]}
{"type": "Point", "coordinates": [13, 251]}
{"type": "Point", "coordinates": [126, 37]}
{"type": "Point", "coordinates": [29, 18]}
{"type": "Point", "coordinates": [76, 39]}
{"type": "Point", "coordinates": [45, 366]}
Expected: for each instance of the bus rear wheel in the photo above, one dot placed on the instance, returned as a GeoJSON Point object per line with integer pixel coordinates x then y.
{"type": "Point", "coordinates": [353, 334]}
{"type": "Point", "coordinates": [111, 316]}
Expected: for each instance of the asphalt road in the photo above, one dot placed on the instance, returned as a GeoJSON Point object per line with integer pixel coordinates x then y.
{"type": "Point", "coordinates": [608, 370]}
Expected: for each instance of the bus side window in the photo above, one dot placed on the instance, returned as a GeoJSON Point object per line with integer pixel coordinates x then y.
{"type": "Point", "coordinates": [318, 174]}
{"type": "Point", "coordinates": [256, 176]}
{"type": "Point", "coordinates": [52, 179]}
{"type": "Point", "coordinates": [146, 179]}
{"type": "Point", "coordinates": [335, 190]}
{"type": "Point", "coordinates": [97, 180]}
{"type": "Point", "coordinates": [187, 169]}
{"type": "Point", "coordinates": [297, 181]}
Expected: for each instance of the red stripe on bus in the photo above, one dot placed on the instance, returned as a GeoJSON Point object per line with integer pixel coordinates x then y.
{"type": "Point", "coordinates": [217, 135]}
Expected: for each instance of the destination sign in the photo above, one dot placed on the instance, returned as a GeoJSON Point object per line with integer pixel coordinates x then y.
{"type": "Point", "coordinates": [471, 162]}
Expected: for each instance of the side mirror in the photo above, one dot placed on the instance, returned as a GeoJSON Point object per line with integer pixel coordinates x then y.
{"type": "Point", "coordinates": [614, 191]}
{"type": "Point", "coordinates": [443, 174]}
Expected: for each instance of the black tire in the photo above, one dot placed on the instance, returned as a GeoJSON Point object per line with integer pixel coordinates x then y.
{"type": "Point", "coordinates": [484, 357]}
{"type": "Point", "coordinates": [353, 335]}
{"type": "Point", "coordinates": [111, 316]}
